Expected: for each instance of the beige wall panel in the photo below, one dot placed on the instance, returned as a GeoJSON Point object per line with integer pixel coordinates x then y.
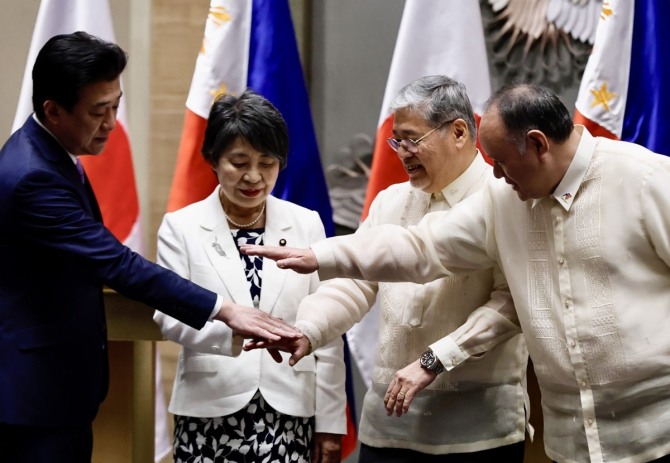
{"type": "Point", "coordinates": [177, 27]}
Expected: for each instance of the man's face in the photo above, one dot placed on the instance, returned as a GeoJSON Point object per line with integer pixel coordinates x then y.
{"type": "Point", "coordinates": [86, 128]}
{"type": "Point", "coordinates": [429, 168]}
{"type": "Point", "coordinates": [523, 172]}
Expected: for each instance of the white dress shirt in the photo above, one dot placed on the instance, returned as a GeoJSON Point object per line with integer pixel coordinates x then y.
{"type": "Point", "coordinates": [477, 406]}
{"type": "Point", "coordinates": [588, 268]}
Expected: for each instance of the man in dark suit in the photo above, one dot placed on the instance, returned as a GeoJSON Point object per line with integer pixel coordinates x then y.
{"type": "Point", "coordinates": [56, 255]}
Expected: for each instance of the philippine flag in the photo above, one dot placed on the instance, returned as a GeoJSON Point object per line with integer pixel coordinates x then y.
{"type": "Point", "coordinates": [251, 44]}
{"type": "Point", "coordinates": [624, 92]}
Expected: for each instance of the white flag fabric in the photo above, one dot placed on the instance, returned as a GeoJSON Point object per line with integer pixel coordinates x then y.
{"type": "Point", "coordinates": [435, 37]}
{"type": "Point", "coordinates": [440, 38]}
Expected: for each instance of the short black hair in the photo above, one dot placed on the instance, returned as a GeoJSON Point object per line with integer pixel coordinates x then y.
{"type": "Point", "coordinates": [251, 117]}
{"type": "Point", "coordinates": [69, 62]}
{"type": "Point", "coordinates": [524, 107]}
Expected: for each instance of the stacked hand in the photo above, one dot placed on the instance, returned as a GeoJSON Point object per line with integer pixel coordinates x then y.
{"type": "Point", "coordinates": [302, 261]}
{"type": "Point", "coordinates": [297, 347]}
{"type": "Point", "coordinates": [258, 325]}
{"type": "Point", "coordinates": [405, 384]}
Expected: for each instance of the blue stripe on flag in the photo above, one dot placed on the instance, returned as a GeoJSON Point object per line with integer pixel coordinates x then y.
{"type": "Point", "coordinates": [275, 72]}
{"type": "Point", "coordinates": [648, 102]}
{"type": "Point", "coordinates": [349, 385]}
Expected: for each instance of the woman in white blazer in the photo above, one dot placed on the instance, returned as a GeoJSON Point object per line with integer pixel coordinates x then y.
{"type": "Point", "coordinates": [243, 406]}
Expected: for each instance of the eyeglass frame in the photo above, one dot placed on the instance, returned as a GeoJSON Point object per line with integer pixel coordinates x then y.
{"type": "Point", "coordinates": [392, 141]}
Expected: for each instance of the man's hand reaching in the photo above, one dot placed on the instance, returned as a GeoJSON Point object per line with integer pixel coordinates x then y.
{"type": "Point", "coordinates": [256, 324]}
{"type": "Point", "coordinates": [299, 260]}
{"type": "Point", "coordinates": [298, 348]}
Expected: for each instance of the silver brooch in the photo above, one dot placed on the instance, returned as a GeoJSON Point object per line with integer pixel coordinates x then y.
{"type": "Point", "coordinates": [217, 247]}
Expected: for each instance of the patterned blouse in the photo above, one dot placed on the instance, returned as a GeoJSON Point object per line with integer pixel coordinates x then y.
{"type": "Point", "coordinates": [253, 265]}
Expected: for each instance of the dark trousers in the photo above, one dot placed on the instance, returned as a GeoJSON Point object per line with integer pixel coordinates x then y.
{"type": "Point", "coordinates": [665, 459]}
{"type": "Point", "coordinates": [507, 454]}
{"type": "Point", "coordinates": [41, 444]}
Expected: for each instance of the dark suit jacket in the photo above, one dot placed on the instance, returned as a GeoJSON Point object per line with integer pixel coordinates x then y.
{"type": "Point", "coordinates": [55, 257]}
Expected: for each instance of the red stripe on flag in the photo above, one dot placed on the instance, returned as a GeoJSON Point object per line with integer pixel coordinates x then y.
{"type": "Point", "coordinates": [193, 179]}
{"type": "Point", "coordinates": [349, 440]}
{"type": "Point", "coordinates": [113, 181]}
{"type": "Point", "coordinates": [386, 168]}
{"type": "Point", "coordinates": [478, 119]}
{"type": "Point", "coordinates": [593, 127]}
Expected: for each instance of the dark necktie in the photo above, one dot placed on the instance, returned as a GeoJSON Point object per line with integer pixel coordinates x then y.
{"type": "Point", "coordinates": [80, 169]}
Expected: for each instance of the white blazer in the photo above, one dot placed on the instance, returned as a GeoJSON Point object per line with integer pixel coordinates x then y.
{"type": "Point", "coordinates": [196, 243]}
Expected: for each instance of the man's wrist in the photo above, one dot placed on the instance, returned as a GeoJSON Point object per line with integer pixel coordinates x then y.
{"type": "Point", "coordinates": [216, 311]}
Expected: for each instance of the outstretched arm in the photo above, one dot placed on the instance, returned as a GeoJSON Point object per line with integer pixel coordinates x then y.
{"type": "Point", "coordinates": [383, 253]}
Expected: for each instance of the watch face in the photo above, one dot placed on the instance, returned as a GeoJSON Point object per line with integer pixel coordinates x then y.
{"type": "Point", "coordinates": [427, 359]}
{"type": "Point", "coordinates": [430, 362]}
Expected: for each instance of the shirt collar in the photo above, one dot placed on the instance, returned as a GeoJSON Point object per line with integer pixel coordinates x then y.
{"type": "Point", "coordinates": [566, 190]}
{"type": "Point", "coordinates": [72, 156]}
{"type": "Point", "coordinates": [456, 190]}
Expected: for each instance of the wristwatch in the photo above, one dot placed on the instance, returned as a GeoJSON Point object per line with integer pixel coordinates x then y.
{"type": "Point", "coordinates": [430, 362]}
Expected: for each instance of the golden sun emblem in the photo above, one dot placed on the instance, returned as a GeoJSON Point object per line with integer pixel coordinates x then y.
{"type": "Point", "coordinates": [223, 88]}
{"type": "Point", "coordinates": [602, 96]}
{"type": "Point", "coordinates": [606, 11]}
{"type": "Point", "coordinates": [219, 15]}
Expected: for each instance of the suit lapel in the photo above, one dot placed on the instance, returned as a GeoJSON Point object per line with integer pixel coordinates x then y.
{"type": "Point", "coordinates": [218, 245]}
{"type": "Point", "coordinates": [54, 152]}
{"type": "Point", "coordinates": [217, 242]}
{"type": "Point", "coordinates": [277, 227]}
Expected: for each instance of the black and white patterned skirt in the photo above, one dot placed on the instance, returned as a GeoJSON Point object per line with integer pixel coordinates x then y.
{"type": "Point", "coordinates": [255, 434]}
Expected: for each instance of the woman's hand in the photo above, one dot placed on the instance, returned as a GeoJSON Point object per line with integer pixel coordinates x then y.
{"type": "Point", "coordinates": [327, 448]}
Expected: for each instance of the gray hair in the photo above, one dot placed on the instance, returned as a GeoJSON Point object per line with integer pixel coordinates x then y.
{"type": "Point", "coordinates": [437, 99]}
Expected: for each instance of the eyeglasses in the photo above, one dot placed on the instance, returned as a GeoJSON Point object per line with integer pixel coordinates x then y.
{"type": "Point", "coordinates": [413, 145]}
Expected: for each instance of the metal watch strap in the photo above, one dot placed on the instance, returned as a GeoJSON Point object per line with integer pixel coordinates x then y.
{"type": "Point", "coordinates": [430, 362]}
